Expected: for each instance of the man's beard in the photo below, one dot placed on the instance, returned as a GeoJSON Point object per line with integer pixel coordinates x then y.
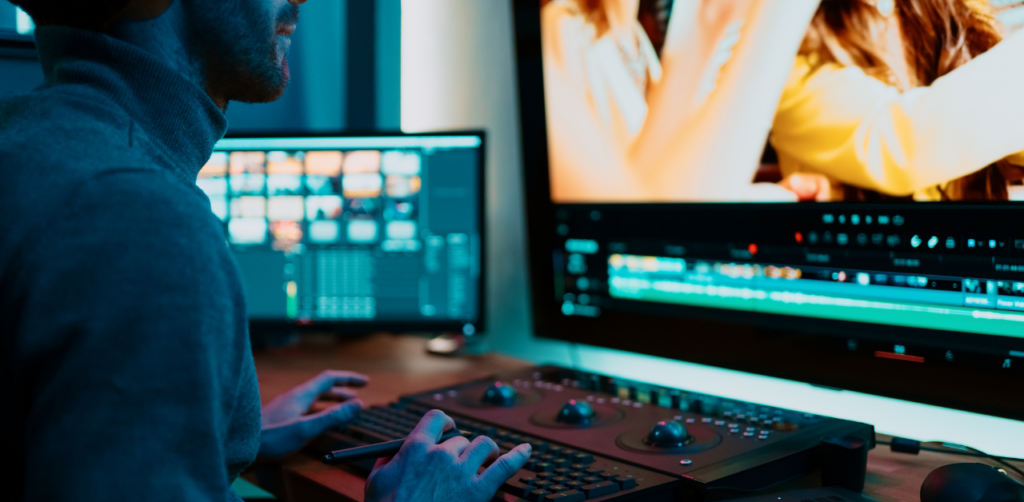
{"type": "Point", "coordinates": [244, 60]}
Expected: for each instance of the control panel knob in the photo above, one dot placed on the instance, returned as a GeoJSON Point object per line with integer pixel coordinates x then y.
{"type": "Point", "coordinates": [576, 413]}
{"type": "Point", "coordinates": [668, 434]}
{"type": "Point", "coordinates": [500, 394]}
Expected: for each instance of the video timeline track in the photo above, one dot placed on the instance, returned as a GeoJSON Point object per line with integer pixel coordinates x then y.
{"type": "Point", "coordinates": [602, 438]}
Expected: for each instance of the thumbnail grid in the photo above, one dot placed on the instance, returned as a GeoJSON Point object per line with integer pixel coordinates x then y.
{"type": "Point", "coordinates": [286, 199]}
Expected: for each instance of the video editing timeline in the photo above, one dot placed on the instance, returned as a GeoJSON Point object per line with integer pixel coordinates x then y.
{"type": "Point", "coordinates": [900, 268]}
{"type": "Point", "coordinates": [382, 229]}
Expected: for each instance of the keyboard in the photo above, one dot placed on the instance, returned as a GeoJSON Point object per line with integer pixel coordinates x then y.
{"type": "Point", "coordinates": [555, 472]}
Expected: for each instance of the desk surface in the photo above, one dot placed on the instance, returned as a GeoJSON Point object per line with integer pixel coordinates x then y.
{"type": "Point", "coordinates": [399, 365]}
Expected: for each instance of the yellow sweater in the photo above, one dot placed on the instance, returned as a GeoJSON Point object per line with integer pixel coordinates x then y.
{"type": "Point", "coordinates": [855, 129]}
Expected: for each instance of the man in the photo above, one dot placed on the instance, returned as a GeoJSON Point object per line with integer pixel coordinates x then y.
{"type": "Point", "coordinates": [126, 370]}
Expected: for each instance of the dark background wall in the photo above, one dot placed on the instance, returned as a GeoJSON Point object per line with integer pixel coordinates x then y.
{"type": "Point", "coordinates": [345, 62]}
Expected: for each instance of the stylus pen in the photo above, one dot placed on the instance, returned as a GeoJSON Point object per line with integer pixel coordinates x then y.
{"type": "Point", "coordinates": [378, 450]}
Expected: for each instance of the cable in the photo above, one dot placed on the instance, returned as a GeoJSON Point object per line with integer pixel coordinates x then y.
{"type": "Point", "coordinates": [1001, 460]}
{"type": "Point", "coordinates": [951, 448]}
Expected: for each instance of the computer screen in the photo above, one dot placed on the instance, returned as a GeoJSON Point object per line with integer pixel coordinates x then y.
{"type": "Point", "coordinates": [354, 233]}
{"type": "Point", "coordinates": [14, 21]}
{"type": "Point", "coordinates": [823, 191]}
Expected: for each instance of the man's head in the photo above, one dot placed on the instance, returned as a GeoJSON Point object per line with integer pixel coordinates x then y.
{"type": "Point", "coordinates": [239, 46]}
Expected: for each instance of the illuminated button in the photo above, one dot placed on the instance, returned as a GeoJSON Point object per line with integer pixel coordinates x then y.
{"type": "Point", "coordinates": [706, 420]}
{"type": "Point", "coordinates": [685, 461]}
{"type": "Point", "coordinates": [719, 422]}
{"type": "Point", "coordinates": [748, 434]}
{"type": "Point", "coordinates": [690, 420]}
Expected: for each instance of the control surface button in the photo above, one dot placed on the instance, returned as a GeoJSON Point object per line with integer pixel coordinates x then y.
{"type": "Point", "coordinates": [685, 462]}
{"type": "Point", "coordinates": [600, 489]}
{"type": "Point", "coordinates": [667, 434]}
{"type": "Point", "coordinates": [557, 488]}
{"type": "Point", "coordinates": [500, 394]}
{"type": "Point", "coordinates": [576, 413]}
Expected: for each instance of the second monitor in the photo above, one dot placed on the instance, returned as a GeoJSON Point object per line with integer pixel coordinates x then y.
{"type": "Point", "coordinates": [354, 233]}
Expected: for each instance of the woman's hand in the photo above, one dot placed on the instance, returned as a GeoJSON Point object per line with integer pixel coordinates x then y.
{"type": "Point", "coordinates": [425, 471]}
{"type": "Point", "coordinates": [808, 187]}
{"type": "Point", "coordinates": [286, 426]}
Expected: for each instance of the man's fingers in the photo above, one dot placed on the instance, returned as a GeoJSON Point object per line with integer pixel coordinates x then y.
{"type": "Point", "coordinates": [505, 467]}
{"type": "Point", "coordinates": [341, 394]}
{"type": "Point", "coordinates": [305, 394]}
{"type": "Point", "coordinates": [430, 428]}
{"type": "Point", "coordinates": [381, 462]}
{"type": "Point", "coordinates": [456, 445]}
{"type": "Point", "coordinates": [479, 452]}
{"type": "Point", "coordinates": [328, 379]}
{"type": "Point", "coordinates": [333, 416]}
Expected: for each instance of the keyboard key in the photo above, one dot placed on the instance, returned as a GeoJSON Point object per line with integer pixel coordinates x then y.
{"type": "Point", "coordinates": [567, 496]}
{"type": "Point", "coordinates": [625, 482]}
{"type": "Point", "coordinates": [562, 471]}
{"type": "Point", "coordinates": [531, 465]}
{"type": "Point", "coordinates": [544, 475]}
{"type": "Point", "coordinates": [515, 488]}
{"type": "Point", "coordinates": [541, 446]}
{"type": "Point", "coordinates": [560, 462]}
{"type": "Point", "coordinates": [583, 458]}
{"type": "Point", "coordinates": [544, 467]}
{"type": "Point", "coordinates": [592, 479]}
{"type": "Point", "coordinates": [527, 480]}
{"type": "Point", "coordinates": [559, 480]}
{"type": "Point", "coordinates": [576, 475]}
{"type": "Point", "coordinates": [541, 485]}
{"type": "Point", "coordinates": [537, 495]}
{"type": "Point", "coordinates": [556, 488]}
{"type": "Point", "coordinates": [574, 485]}
{"type": "Point", "coordinates": [600, 489]}
{"type": "Point", "coordinates": [594, 471]}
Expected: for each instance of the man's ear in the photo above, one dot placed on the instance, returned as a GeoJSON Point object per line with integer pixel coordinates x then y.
{"type": "Point", "coordinates": [144, 10]}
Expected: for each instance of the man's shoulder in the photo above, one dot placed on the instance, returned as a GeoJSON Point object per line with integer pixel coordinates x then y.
{"type": "Point", "coordinates": [65, 156]}
{"type": "Point", "coordinates": [63, 128]}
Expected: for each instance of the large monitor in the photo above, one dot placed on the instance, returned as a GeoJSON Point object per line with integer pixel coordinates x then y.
{"type": "Point", "coordinates": [828, 191]}
{"type": "Point", "coordinates": [355, 233]}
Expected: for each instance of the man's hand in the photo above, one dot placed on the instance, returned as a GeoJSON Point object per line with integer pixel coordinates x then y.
{"type": "Point", "coordinates": [429, 472]}
{"type": "Point", "coordinates": [286, 427]}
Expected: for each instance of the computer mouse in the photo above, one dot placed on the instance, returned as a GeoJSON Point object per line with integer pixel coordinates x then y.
{"type": "Point", "coordinates": [970, 483]}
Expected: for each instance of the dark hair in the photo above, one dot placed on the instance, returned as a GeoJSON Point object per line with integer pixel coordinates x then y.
{"type": "Point", "coordinates": [87, 14]}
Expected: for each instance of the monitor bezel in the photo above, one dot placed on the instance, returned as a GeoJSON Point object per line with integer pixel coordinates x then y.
{"type": "Point", "coordinates": [265, 325]}
{"type": "Point", "coordinates": [762, 344]}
